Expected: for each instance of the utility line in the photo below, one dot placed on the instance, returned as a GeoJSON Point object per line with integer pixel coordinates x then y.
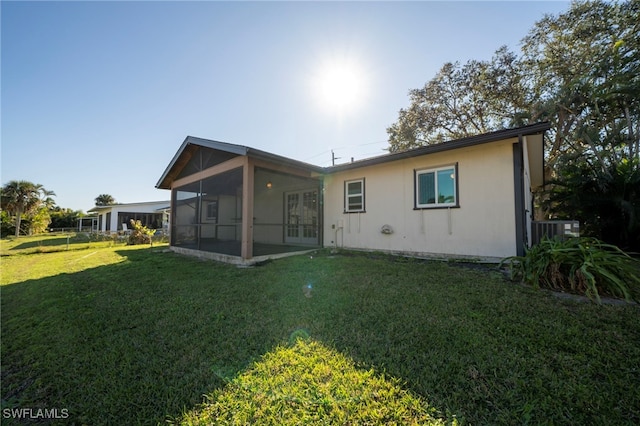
{"type": "Point", "coordinates": [344, 147]}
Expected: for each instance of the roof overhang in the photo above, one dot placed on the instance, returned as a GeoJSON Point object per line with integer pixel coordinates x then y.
{"type": "Point", "coordinates": [191, 144]}
{"type": "Point", "coordinates": [121, 206]}
{"type": "Point", "coordinates": [535, 155]}
{"type": "Point", "coordinates": [533, 129]}
{"type": "Point", "coordinates": [97, 209]}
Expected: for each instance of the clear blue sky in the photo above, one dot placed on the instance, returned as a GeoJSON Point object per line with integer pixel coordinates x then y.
{"type": "Point", "coordinates": [98, 96]}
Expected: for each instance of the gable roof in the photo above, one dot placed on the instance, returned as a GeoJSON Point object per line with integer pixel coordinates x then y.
{"type": "Point", "coordinates": [531, 129]}
{"type": "Point", "coordinates": [183, 155]}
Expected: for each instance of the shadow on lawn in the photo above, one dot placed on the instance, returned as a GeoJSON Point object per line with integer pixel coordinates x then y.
{"type": "Point", "coordinates": [49, 242]}
{"type": "Point", "coordinates": [56, 241]}
{"type": "Point", "coordinates": [146, 338]}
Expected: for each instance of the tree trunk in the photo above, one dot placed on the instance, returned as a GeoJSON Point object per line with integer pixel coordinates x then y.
{"type": "Point", "coordinates": [18, 220]}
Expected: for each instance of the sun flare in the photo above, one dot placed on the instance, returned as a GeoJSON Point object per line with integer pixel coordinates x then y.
{"type": "Point", "coordinates": [339, 86]}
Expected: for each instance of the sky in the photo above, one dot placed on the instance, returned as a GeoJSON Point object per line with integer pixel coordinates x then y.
{"type": "Point", "coordinates": [97, 97]}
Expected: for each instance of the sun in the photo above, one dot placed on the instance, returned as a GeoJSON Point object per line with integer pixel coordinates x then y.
{"type": "Point", "coordinates": [339, 86]}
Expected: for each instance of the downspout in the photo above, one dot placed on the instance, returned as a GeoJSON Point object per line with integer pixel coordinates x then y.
{"type": "Point", "coordinates": [518, 187]}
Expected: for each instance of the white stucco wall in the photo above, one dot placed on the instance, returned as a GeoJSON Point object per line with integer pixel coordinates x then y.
{"type": "Point", "coordinates": [147, 207]}
{"type": "Point", "coordinates": [483, 225]}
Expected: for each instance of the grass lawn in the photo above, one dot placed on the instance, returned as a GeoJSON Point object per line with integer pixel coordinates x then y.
{"type": "Point", "coordinates": [118, 334]}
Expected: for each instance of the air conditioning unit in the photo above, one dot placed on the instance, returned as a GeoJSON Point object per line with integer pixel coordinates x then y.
{"type": "Point", "coordinates": [552, 228]}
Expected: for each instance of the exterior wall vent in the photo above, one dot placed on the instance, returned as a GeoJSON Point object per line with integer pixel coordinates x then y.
{"type": "Point", "coordinates": [552, 228]}
{"type": "Point", "coordinates": [386, 229]}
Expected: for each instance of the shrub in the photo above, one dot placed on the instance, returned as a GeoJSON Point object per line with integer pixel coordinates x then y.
{"type": "Point", "coordinates": [140, 234]}
{"type": "Point", "coordinates": [579, 265]}
{"type": "Point", "coordinates": [7, 226]}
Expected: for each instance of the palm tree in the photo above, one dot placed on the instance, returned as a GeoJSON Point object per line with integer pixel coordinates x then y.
{"type": "Point", "coordinates": [20, 197]}
{"type": "Point", "coordinates": [45, 197]}
{"type": "Point", "coordinates": [104, 200]}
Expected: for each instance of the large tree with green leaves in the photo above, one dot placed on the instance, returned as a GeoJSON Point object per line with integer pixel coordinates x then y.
{"type": "Point", "coordinates": [23, 198]}
{"type": "Point", "coordinates": [582, 68]}
{"type": "Point", "coordinates": [463, 100]}
{"type": "Point", "coordinates": [583, 71]}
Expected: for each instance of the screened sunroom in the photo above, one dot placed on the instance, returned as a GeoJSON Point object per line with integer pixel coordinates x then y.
{"type": "Point", "coordinates": [238, 204]}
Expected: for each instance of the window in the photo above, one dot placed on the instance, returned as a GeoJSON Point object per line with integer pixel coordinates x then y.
{"type": "Point", "coordinates": [354, 196]}
{"type": "Point", "coordinates": [436, 187]}
{"type": "Point", "coordinates": [212, 211]}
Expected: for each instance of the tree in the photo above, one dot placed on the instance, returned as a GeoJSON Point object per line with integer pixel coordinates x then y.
{"type": "Point", "coordinates": [38, 221]}
{"type": "Point", "coordinates": [7, 226]}
{"type": "Point", "coordinates": [64, 217]}
{"type": "Point", "coordinates": [581, 71]}
{"type": "Point", "coordinates": [607, 203]}
{"type": "Point", "coordinates": [104, 200]}
{"type": "Point", "coordinates": [584, 73]}
{"type": "Point", "coordinates": [46, 200]}
{"type": "Point", "coordinates": [24, 198]}
{"type": "Point", "coordinates": [462, 101]}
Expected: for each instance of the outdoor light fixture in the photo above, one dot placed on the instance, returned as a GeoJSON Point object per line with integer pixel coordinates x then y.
{"type": "Point", "coordinates": [269, 185]}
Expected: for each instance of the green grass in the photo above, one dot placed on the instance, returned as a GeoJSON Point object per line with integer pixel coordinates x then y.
{"type": "Point", "coordinates": [137, 335]}
{"type": "Point", "coordinates": [64, 241]}
{"type": "Point", "coordinates": [54, 242]}
{"type": "Point", "coordinates": [309, 383]}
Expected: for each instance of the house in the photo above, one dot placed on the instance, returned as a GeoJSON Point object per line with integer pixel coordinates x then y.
{"type": "Point", "coordinates": [468, 198]}
{"type": "Point", "coordinates": [117, 217]}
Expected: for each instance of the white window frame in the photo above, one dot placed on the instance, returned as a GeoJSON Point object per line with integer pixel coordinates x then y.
{"type": "Point", "coordinates": [347, 196]}
{"type": "Point", "coordinates": [436, 204]}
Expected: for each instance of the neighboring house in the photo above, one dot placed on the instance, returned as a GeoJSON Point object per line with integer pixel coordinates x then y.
{"type": "Point", "coordinates": [117, 217]}
{"type": "Point", "coordinates": [469, 197]}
